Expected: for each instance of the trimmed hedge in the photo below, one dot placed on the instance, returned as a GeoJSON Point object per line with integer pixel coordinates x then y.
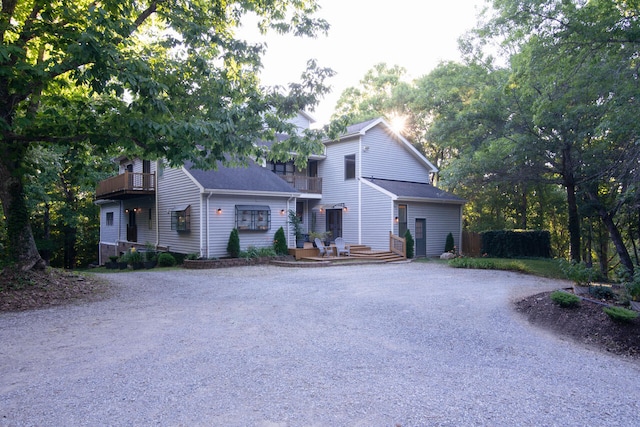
{"type": "Point", "coordinates": [516, 244]}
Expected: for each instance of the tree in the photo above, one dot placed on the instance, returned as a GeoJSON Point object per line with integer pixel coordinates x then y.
{"type": "Point", "coordinates": [155, 78]}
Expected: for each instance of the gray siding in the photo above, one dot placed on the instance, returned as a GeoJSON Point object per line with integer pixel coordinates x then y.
{"type": "Point", "coordinates": [387, 158]}
{"type": "Point", "coordinates": [441, 219]}
{"type": "Point", "coordinates": [146, 228]}
{"type": "Point", "coordinates": [220, 225]}
{"type": "Point", "coordinates": [175, 189]}
{"type": "Point", "coordinates": [376, 218]}
{"type": "Point", "coordinates": [110, 234]}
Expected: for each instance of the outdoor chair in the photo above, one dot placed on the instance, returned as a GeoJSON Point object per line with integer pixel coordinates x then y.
{"type": "Point", "coordinates": [341, 247]}
{"type": "Point", "coordinates": [323, 250]}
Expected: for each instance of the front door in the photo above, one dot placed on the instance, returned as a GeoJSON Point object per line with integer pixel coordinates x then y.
{"type": "Point", "coordinates": [132, 228]}
{"type": "Point", "coordinates": [334, 223]}
{"type": "Point", "coordinates": [421, 237]}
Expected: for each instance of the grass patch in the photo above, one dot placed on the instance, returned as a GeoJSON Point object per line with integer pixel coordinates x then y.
{"type": "Point", "coordinates": [543, 267]}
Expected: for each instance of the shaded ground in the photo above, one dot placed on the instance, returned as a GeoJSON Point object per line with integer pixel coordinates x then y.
{"type": "Point", "coordinates": [586, 324]}
{"type": "Point", "coordinates": [47, 288]}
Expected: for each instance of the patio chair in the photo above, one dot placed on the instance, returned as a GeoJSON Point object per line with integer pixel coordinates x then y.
{"type": "Point", "coordinates": [323, 250]}
{"type": "Point", "coordinates": [341, 247]}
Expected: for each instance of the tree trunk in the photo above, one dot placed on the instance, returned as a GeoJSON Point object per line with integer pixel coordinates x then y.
{"type": "Point", "coordinates": [614, 233]}
{"type": "Point", "coordinates": [21, 245]}
{"type": "Point", "coordinates": [572, 204]}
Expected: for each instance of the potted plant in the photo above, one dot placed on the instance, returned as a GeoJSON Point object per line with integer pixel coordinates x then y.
{"type": "Point", "coordinates": [123, 261]}
{"type": "Point", "coordinates": [296, 222]}
{"type": "Point", "coordinates": [113, 262]}
{"type": "Point", "coordinates": [135, 259]}
{"type": "Point", "coordinates": [150, 259]}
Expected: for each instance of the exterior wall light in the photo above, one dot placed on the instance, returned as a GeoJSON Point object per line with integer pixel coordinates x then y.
{"type": "Point", "coordinates": [219, 211]}
{"type": "Point", "coordinates": [281, 211]}
{"type": "Point", "coordinates": [396, 219]}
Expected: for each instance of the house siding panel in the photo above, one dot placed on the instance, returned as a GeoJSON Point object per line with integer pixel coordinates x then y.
{"type": "Point", "coordinates": [440, 221]}
{"type": "Point", "coordinates": [176, 189]}
{"type": "Point", "coordinates": [376, 208]}
{"type": "Point", "coordinates": [338, 191]}
{"type": "Point", "coordinates": [220, 225]}
{"type": "Point", "coordinates": [385, 157]}
{"type": "Point", "coordinates": [109, 234]}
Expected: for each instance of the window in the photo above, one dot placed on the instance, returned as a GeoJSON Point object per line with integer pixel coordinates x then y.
{"type": "Point", "coordinates": [350, 166]}
{"type": "Point", "coordinates": [181, 219]}
{"type": "Point", "coordinates": [402, 220]}
{"type": "Point", "coordinates": [253, 218]}
{"type": "Point", "coordinates": [300, 211]}
{"type": "Point", "coordinates": [281, 168]}
{"type": "Point", "coordinates": [109, 218]}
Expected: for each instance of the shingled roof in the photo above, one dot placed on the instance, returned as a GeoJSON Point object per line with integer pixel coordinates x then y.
{"type": "Point", "coordinates": [406, 190]}
{"type": "Point", "coordinates": [253, 178]}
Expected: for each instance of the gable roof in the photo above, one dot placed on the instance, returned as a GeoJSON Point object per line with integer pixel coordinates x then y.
{"type": "Point", "coordinates": [360, 129]}
{"type": "Point", "coordinates": [250, 179]}
{"type": "Point", "coordinates": [415, 191]}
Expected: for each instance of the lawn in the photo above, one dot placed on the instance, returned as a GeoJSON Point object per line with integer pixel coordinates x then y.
{"type": "Point", "coordinates": [543, 267]}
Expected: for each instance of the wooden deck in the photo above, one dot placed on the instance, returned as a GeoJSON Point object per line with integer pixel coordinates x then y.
{"type": "Point", "coordinates": [358, 253]}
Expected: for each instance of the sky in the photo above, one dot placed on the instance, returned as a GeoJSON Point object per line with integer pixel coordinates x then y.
{"type": "Point", "coordinates": [414, 34]}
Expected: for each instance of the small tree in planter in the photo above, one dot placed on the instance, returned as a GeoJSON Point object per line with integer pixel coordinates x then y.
{"type": "Point", "coordinates": [410, 243]}
{"type": "Point", "coordinates": [136, 259]}
{"type": "Point", "coordinates": [233, 247]}
{"type": "Point", "coordinates": [295, 222]}
{"type": "Point", "coordinates": [449, 245]}
{"type": "Point", "coordinates": [280, 242]}
{"type": "Point", "coordinates": [113, 262]}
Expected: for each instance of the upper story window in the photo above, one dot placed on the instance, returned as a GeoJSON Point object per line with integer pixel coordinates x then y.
{"type": "Point", "coordinates": [350, 166]}
{"type": "Point", "coordinates": [282, 168]}
{"type": "Point", "coordinates": [109, 218]}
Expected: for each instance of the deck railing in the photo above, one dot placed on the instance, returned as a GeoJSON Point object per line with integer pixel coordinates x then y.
{"type": "Point", "coordinates": [398, 245]}
{"type": "Point", "coordinates": [305, 184]}
{"type": "Point", "coordinates": [128, 181]}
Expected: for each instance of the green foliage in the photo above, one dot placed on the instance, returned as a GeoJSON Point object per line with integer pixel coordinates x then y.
{"type": "Point", "coordinates": [280, 242]}
{"type": "Point", "coordinates": [134, 257]}
{"type": "Point", "coordinates": [620, 314]}
{"type": "Point", "coordinates": [449, 244]}
{"type": "Point", "coordinates": [192, 256]}
{"type": "Point", "coordinates": [165, 259]}
{"type": "Point", "coordinates": [233, 246]}
{"type": "Point", "coordinates": [632, 287]}
{"type": "Point", "coordinates": [578, 272]}
{"type": "Point", "coordinates": [516, 244]}
{"type": "Point", "coordinates": [564, 299]}
{"type": "Point", "coordinates": [602, 292]}
{"type": "Point", "coordinates": [255, 252]}
{"type": "Point", "coordinates": [489, 264]}
{"type": "Point", "coordinates": [295, 222]}
{"type": "Point", "coordinates": [410, 244]}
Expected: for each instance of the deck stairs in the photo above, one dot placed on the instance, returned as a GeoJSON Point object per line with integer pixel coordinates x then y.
{"type": "Point", "coordinates": [365, 252]}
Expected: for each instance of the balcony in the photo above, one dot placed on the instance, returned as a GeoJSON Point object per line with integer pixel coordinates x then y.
{"type": "Point", "coordinates": [126, 186]}
{"type": "Point", "coordinates": [304, 184]}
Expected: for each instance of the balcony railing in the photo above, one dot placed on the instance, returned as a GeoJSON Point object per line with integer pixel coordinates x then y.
{"type": "Point", "coordinates": [127, 185]}
{"type": "Point", "coordinates": [304, 184]}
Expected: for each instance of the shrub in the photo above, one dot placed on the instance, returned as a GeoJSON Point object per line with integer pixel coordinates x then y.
{"type": "Point", "coordinates": [578, 272]}
{"type": "Point", "coordinates": [619, 314]}
{"type": "Point", "coordinates": [516, 243]}
{"type": "Point", "coordinates": [192, 257]}
{"type": "Point", "coordinates": [564, 299]}
{"type": "Point", "coordinates": [602, 292]}
{"type": "Point", "coordinates": [166, 260]}
{"type": "Point", "coordinates": [280, 242]}
{"type": "Point", "coordinates": [410, 244]}
{"type": "Point", "coordinates": [449, 245]}
{"type": "Point", "coordinates": [233, 247]}
{"type": "Point", "coordinates": [633, 286]}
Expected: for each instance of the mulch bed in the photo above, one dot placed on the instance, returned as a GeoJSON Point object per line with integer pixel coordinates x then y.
{"type": "Point", "coordinates": [586, 324]}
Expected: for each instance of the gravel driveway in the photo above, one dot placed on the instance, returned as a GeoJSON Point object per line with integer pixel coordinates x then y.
{"type": "Point", "coordinates": [416, 344]}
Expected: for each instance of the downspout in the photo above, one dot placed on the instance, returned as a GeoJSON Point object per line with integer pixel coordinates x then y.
{"type": "Point", "coordinates": [202, 224]}
{"type": "Point", "coordinates": [157, 208]}
{"type": "Point", "coordinates": [208, 226]}
{"type": "Point", "coordinates": [360, 190]}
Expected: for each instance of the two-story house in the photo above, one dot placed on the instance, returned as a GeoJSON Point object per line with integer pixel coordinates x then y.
{"type": "Point", "coordinates": [367, 183]}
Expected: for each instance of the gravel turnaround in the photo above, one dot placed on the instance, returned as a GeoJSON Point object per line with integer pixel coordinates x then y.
{"type": "Point", "coordinates": [417, 344]}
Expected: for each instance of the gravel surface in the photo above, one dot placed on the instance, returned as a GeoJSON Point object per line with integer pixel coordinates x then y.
{"type": "Point", "coordinates": [416, 344]}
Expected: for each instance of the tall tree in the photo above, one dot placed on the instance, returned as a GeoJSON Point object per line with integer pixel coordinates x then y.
{"type": "Point", "coordinates": [158, 78]}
